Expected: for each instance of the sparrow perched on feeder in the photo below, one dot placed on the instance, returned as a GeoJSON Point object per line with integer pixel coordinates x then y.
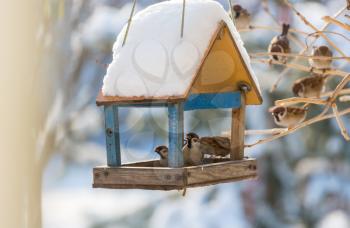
{"type": "Point", "coordinates": [214, 146]}
{"type": "Point", "coordinates": [163, 153]}
{"type": "Point", "coordinates": [321, 64]}
{"type": "Point", "coordinates": [191, 150]}
{"type": "Point", "coordinates": [288, 116]}
{"type": "Point", "coordinates": [280, 44]}
{"type": "Point", "coordinates": [311, 86]}
{"type": "Point", "coordinates": [241, 16]}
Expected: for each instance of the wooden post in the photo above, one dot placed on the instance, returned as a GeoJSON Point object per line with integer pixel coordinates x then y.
{"type": "Point", "coordinates": [237, 130]}
{"type": "Point", "coordinates": [112, 135]}
{"type": "Point", "coordinates": [176, 134]}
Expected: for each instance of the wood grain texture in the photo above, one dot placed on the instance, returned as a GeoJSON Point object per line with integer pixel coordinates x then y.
{"type": "Point", "coordinates": [112, 135]}
{"type": "Point", "coordinates": [144, 176]}
{"type": "Point", "coordinates": [237, 131]}
{"type": "Point", "coordinates": [221, 42]}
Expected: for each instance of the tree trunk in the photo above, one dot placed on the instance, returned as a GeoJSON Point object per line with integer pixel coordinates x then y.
{"type": "Point", "coordinates": [20, 191]}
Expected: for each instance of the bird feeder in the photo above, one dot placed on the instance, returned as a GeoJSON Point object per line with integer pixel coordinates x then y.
{"type": "Point", "coordinates": [223, 79]}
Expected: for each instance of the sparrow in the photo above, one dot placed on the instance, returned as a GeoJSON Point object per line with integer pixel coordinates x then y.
{"type": "Point", "coordinates": [163, 153]}
{"type": "Point", "coordinates": [311, 86]}
{"type": "Point", "coordinates": [288, 116]}
{"type": "Point", "coordinates": [213, 146]}
{"type": "Point", "coordinates": [242, 17]}
{"type": "Point", "coordinates": [191, 150]}
{"type": "Point", "coordinates": [321, 63]}
{"type": "Point", "coordinates": [280, 44]}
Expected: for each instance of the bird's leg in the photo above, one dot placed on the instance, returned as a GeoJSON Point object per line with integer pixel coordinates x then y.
{"type": "Point", "coordinates": [312, 69]}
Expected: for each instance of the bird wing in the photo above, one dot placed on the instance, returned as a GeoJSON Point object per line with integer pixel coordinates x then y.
{"type": "Point", "coordinates": [216, 142]}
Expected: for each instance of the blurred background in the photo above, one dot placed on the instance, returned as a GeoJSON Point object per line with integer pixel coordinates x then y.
{"type": "Point", "coordinates": [304, 178]}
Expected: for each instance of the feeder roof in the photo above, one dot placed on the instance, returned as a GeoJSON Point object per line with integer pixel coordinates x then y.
{"type": "Point", "coordinates": [157, 64]}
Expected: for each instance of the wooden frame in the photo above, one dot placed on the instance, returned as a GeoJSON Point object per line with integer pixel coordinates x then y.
{"type": "Point", "coordinates": [213, 101]}
{"type": "Point", "coordinates": [146, 175]}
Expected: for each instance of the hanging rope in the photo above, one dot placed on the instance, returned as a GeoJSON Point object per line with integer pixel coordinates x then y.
{"type": "Point", "coordinates": [129, 22]}
{"type": "Point", "coordinates": [183, 18]}
{"type": "Point", "coordinates": [231, 10]}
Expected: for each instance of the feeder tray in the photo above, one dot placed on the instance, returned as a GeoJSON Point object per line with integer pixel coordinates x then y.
{"type": "Point", "coordinates": [148, 175]}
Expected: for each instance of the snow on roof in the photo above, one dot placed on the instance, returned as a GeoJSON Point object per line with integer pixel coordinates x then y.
{"type": "Point", "coordinates": [155, 61]}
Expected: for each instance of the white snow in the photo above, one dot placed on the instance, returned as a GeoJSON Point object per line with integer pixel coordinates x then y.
{"type": "Point", "coordinates": [156, 61]}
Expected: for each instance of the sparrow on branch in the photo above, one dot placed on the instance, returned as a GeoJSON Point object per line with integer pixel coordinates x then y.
{"type": "Point", "coordinates": [322, 64]}
{"type": "Point", "coordinates": [311, 86]}
{"type": "Point", "coordinates": [280, 44]}
{"type": "Point", "coordinates": [241, 16]}
{"type": "Point", "coordinates": [288, 116]}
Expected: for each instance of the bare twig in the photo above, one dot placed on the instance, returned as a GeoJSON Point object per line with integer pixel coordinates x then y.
{"type": "Point", "coordinates": [340, 122]}
{"type": "Point", "coordinates": [270, 28]}
{"type": "Point", "coordinates": [309, 24]}
{"type": "Point", "coordinates": [285, 71]}
{"type": "Point", "coordinates": [341, 92]}
{"type": "Point", "coordinates": [335, 94]}
{"type": "Point", "coordinates": [336, 22]}
{"type": "Point", "coordinates": [273, 131]}
{"type": "Point", "coordinates": [334, 72]}
{"type": "Point", "coordinates": [345, 98]}
{"type": "Point", "coordinates": [299, 126]}
{"type": "Point", "coordinates": [259, 54]}
{"type": "Point", "coordinates": [297, 100]}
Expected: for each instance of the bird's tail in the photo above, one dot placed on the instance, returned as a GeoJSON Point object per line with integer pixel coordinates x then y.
{"type": "Point", "coordinates": [285, 29]}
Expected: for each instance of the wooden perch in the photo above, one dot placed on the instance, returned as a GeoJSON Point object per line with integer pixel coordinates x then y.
{"type": "Point", "coordinates": [336, 22]}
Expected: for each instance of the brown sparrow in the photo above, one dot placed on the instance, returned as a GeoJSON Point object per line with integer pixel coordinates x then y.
{"type": "Point", "coordinates": [163, 153]}
{"type": "Point", "coordinates": [321, 63]}
{"type": "Point", "coordinates": [214, 146]}
{"type": "Point", "coordinates": [242, 17]}
{"type": "Point", "coordinates": [280, 44]}
{"type": "Point", "coordinates": [191, 150]}
{"type": "Point", "coordinates": [288, 116]}
{"type": "Point", "coordinates": [311, 86]}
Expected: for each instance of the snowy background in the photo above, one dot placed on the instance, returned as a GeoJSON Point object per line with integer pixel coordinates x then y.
{"type": "Point", "coordinates": [304, 179]}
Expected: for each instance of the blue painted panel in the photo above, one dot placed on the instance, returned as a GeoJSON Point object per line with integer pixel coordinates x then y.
{"type": "Point", "coordinates": [112, 135]}
{"type": "Point", "coordinates": [176, 134]}
{"type": "Point", "coordinates": [213, 101]}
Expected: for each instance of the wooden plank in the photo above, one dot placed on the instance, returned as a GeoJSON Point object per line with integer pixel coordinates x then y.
{"type": "Point", "coordinates": [237, 131]}
{"type": "Point", "coordinates": [108, 100]}
{"type": "Point", "coordinates": [112, 135]}
{"type": "Point", "coordinates": [218, 172]}
{"type": "Point", "coordinates": [133, 176]}
{"type": "Point", "coordinates": [176, 134]}
{"type": "Point", "coordinates": [213, 101]}
{"type": "Point", "coordinates": [143, 105]}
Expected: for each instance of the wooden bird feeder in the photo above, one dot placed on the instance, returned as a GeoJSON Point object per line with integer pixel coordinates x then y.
{"type": "Point", "coordinates": [214, 86]}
